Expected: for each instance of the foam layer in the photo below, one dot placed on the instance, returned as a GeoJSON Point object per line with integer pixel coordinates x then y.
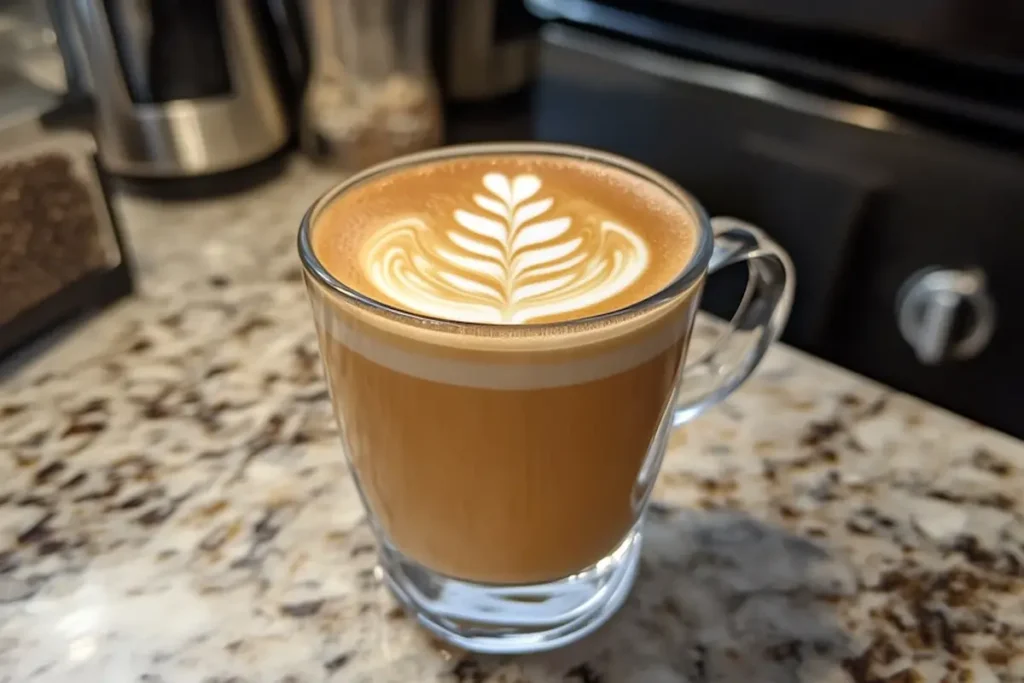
{"type": "Point", "coordinates": [505, 362]}
{"type": "Point", "coordinates": [506, 239]}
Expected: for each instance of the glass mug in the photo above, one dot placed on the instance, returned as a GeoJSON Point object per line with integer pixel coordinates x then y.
{"type": "Point", "coordinates": [505, 469]}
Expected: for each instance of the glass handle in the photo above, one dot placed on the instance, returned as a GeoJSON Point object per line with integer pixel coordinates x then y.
{"type": "Point", "coordinates": [758, 321]}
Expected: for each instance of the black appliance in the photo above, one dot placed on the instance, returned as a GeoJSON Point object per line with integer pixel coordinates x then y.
{"type": "Point", "coordinates": [891, 168]}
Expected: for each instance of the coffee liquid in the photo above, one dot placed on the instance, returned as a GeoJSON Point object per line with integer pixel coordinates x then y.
{"type": "Point", "coordinates": [509, 452]}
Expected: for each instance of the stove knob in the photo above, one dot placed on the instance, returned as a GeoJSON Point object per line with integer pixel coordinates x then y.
{"type": "Point", "coordinates": [946, 314]}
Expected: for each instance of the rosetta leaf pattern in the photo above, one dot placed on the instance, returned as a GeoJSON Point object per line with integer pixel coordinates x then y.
{"type": "Point", "coordinates": [508, 258]}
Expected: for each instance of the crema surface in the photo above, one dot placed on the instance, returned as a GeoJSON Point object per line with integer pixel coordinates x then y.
{"type": "Point", "coordinates": [506, 239]}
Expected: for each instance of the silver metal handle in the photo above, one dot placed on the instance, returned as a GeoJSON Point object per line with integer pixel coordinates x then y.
{"type": "Point", "coordinates": [757, 323]}
{"type": "Point", "coordinates": [69, 43]}
{"type": "Point", "coordinates": [926, 310]}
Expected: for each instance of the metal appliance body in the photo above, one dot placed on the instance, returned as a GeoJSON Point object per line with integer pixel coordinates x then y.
{"type": "Point", "coordinates": [905, 235]}
{"type": "Point", "coordinates": [221, 110]}
{"type": "Point", "coordinates": [983, 32]}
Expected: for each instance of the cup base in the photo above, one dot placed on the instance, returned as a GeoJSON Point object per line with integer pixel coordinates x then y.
{"type": "Point", "coordinates": [518, 619]}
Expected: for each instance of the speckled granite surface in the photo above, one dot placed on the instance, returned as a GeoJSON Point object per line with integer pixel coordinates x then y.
{"type": "Point", "coordinates": [173, 507]}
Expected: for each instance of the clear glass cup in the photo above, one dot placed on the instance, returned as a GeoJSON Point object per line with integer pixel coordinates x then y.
{"type": "Point", "coordinates": [506, 480]}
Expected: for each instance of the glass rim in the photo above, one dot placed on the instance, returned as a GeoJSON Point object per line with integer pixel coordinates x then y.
{"type": "Point", "coordinates": [690, 273]}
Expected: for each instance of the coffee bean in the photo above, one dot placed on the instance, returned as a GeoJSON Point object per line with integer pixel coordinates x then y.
{"type": "Point", "coordinates": [48, 230]}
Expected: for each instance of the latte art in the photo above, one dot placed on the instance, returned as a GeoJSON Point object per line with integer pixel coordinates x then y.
{"type": "Point", "coordinates": [509, 259]}
{"type": "Point", "coordinates": [505, 240]}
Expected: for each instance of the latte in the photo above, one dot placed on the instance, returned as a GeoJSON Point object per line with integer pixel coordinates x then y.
{"type": "Point", "coordinates": [513, 240]}
{"type": "Point", "coordinates": [508, 452]}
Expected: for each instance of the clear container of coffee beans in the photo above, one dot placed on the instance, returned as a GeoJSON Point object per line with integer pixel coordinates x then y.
{"type": "Point", "coordinates": [60, 250]}
{"type": "Point", "coordinates": [371, 94]}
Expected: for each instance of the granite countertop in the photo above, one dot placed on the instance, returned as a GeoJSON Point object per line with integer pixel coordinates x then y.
{"type": "Point", "coordinates": [173, 507]}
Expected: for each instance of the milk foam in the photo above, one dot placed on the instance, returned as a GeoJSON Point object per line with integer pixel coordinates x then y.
{"type": "Point", "coordinates": [511, 258]}
{"type": "Point", "coordinates": [648, 335]}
